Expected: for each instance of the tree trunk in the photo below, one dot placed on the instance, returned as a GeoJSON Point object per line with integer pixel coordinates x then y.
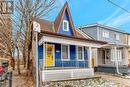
{"type": "Point", "coordinates": [24, 58]}
{"type": "Point", "coordinates": [18, 62]}
{"type": "Point", "coordinates": [13, 63]}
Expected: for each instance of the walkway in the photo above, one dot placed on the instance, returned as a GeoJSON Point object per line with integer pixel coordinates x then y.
{"type": "Point", "coordinates": [111, 77]}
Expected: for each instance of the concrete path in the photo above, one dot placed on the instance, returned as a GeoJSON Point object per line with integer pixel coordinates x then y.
{"type": "Point", "coordinates": [111, 77]}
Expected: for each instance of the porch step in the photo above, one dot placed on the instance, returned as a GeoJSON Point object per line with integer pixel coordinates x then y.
{"type": "Point", "coordinates": [59, 68]}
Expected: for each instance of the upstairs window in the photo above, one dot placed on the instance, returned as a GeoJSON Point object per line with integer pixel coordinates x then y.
{"type": "Point", "coordinates": [65, 25]}
{"type": "Point", "coordinates": [105, 33]}
{"type": "Point", "coordinates": [117, 36]}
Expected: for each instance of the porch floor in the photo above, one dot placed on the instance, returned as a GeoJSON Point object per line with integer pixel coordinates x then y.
{"type": "Point", "coordinates": [60, 68]}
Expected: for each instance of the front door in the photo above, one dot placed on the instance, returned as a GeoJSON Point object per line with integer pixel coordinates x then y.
{"type": "Point", "coordinates": [49, 55]}
{"type": "Point", "coordinates": [103, 56]}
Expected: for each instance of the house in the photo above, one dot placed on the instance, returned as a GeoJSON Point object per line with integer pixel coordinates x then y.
{"type": "Point", "coordinates": [65, 53]}
{"type": "Point", "coordinates": [129, 48]}
{"type": "Point", "coordinates": [115, 53]}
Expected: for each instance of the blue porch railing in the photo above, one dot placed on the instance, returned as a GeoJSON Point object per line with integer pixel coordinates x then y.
{"type": "Point", "coordinates": [70, 64]}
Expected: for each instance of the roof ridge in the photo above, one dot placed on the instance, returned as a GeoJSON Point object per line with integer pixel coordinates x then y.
{"type": "Point", "coordinates": [59, 18]}
{"type": "Point", "coordinates": [105, 26]}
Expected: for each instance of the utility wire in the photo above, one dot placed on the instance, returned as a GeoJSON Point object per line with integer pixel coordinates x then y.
{"type": "Point", "coordinates": [118, 6]}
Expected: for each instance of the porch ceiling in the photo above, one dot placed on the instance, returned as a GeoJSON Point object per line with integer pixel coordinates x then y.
{"type": "Point", "coordinates": [79, 42]}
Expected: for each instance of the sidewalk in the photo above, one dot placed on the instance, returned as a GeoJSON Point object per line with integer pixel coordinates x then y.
{"type": "Point", "coordinates": [111, 77]}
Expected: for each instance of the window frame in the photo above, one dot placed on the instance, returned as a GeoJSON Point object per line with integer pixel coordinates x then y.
{"type": "Point", "coordinates": [67, 28]}
{"type": "Point", "coordinates": [82, 53]}
{"type": "Point", "coordinates": [117, 37]}
{"type": "Point", "coordinates": [62, 59]}
{"type": "Point", "coordinates": [105, 34]}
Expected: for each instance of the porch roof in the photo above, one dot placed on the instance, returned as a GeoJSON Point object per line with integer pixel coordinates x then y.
{"type": "Point", "coordinates": [59, 38]}
{"type": "Point", "coordinates": [111, 45]}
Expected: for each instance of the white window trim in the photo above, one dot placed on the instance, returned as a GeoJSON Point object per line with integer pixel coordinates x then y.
{"type": "Point", "coordinates": [117, 36]}
{"type": "Point", "coordinates": [68, 53]}
{"type": "Point", "coordinates": [105, 34]}
{"type": "Point", "coordinates": [82, 53]}
{"type": "Point", "coordinates": [67, 25]}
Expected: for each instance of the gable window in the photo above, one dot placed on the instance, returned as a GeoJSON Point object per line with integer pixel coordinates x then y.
{"type": "Point", "coordinates": [65, 25]}
{"type": "Point", "coordinates": [65, 52]}
{"type": "Point", "coordinates": [105, 33]}
{"type": "Point", "coordinates": [80, 53]}
{"type": "Point", "coordinates": [117, 36]}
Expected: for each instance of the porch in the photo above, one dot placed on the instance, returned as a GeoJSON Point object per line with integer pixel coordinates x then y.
{"type": "Point", "coordinates": [64, 61]}
{"type": "Point", "coordinates": [66, 58]}
{"type": "Point", "coordinates": [110, 55]}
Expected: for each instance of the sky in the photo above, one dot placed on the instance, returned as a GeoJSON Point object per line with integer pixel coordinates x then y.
{"type": "Point", "coordinates": [85, 12]}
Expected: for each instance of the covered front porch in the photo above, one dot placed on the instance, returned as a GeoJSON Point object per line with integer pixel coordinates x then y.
{"type": "Point", "coordinates": [111, 56]}
{"type": "Point", "coordinates": [66, 58]}
{"type": "Point", "coordinates": [108, 55]}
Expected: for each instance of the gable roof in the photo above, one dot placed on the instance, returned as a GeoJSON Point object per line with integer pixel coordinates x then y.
{"type": "Point", "coordinates": [83, 34]}
{"type": "Point", "coordinates": [51, 28]}
{"type": "Point", "coordinates": [59, 18]}
{"type": "Point", "coordinates": [104, 26]}
{"type": "Point", "coordinates": [47, 26]}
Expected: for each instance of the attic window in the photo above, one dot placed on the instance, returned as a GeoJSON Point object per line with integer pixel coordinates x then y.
{"type": "Point", "coordinates": [65, 25]}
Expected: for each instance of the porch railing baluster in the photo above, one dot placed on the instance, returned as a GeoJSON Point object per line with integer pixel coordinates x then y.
{"type": "Point", "coordinates": [66, 64]}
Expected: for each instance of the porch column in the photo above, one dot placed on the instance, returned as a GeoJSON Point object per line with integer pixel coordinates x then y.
{"type": "Point", "coordinates": [90, 57]}
{"type": "Point", "coordinates": [96, 56]}
{"type": "Point", "coordinates": [116, 59]}
{"type": "Point", "coordinates": [43, 66]}
{"type": "Point", "coordinates": [125, 56]}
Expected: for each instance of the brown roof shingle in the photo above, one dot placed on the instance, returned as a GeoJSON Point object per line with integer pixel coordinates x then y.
{"type": "Point", "coordinates": [45, 25]}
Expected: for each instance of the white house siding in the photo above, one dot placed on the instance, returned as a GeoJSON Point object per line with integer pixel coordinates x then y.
{"type": "Point", "coordinates": [54, 75]}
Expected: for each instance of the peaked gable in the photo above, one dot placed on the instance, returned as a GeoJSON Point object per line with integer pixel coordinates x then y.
{"type": "Point", "coordinates": [64, 15]}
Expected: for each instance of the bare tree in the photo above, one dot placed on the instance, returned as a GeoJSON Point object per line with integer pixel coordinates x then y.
{"type": "Point", "coordinates": [26, 11]}
{"type": "Point", "coordinates": [18, 35]}
{"type": "Point", "coordinates": [6, 38]}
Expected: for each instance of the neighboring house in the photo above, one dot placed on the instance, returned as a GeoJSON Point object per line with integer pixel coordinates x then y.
{"type": "Point", "coordinates": [66, 54]}
{"type": "Point", "coordinates": [129, 48]}
{"type": "Point", "coordinates": [113, 53]}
